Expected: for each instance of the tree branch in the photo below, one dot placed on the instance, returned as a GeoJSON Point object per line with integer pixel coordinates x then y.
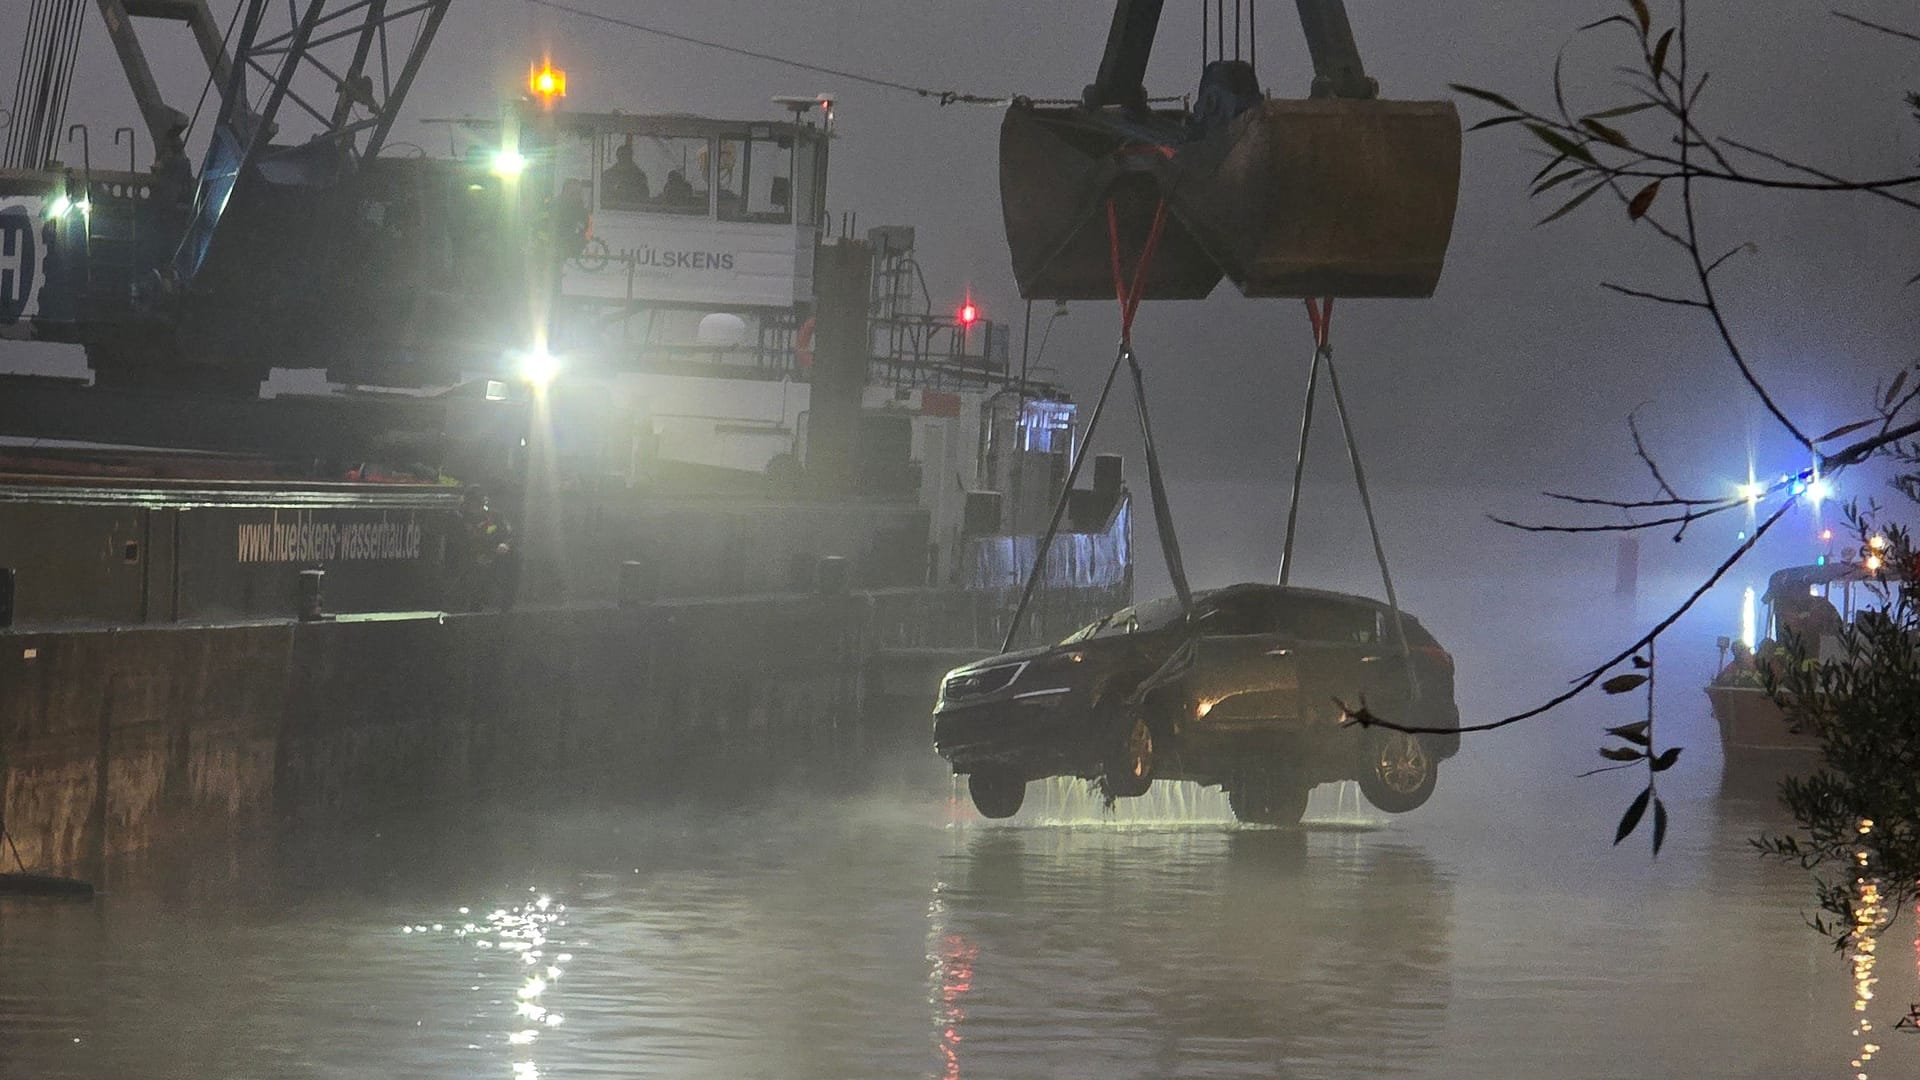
{"type": "Point", "coordinates": [1640, 448]}
{"type": "Point", "coordinates": [1631, 504]}
{"type": "Point", "coordinates": [1910, 36]}
{"type": "Point", "coordinates": [1586, 682]}
{"type": "Point", "coordinates": [1687, 518]}
{"type": "Point", "coordinates": [1641, 294]}
{"type": "Point", "coordinates": [1913, 204]}
{"type": "Point", "coordinates": [1860, 451]}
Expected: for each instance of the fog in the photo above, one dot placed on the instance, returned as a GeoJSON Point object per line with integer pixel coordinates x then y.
{"type": "Point", "coordinates": [875, 926]}
{"type": "Point", "coordinates": [1518, 374]}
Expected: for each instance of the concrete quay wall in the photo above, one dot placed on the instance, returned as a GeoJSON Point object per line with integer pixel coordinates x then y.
{"type": "Point", "coordinates": [114, 741]}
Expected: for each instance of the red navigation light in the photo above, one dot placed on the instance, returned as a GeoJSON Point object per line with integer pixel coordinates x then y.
{"type": "Point", "coordinates": [547, 82]}
{"type": "Point", "coordinates": [969, 314]}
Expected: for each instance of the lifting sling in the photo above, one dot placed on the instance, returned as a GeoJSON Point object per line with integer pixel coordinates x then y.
{"type": "Point", "coordinates": [1320, 315]}
{"type": "Point", "coordinates": [1129, 293]}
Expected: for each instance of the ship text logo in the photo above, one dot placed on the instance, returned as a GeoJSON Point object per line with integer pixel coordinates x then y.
{"type": "Point", "coordinates": [18, 264]}
{"type": "Point", "coordinates": [322, 541]}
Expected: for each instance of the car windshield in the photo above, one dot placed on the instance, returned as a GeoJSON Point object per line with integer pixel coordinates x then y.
{"type": "Point", "coordinates": [1146, 618]}
{"type": "Point", "coordinates": [1104, 626]}
{"type": "Point", "coordinates": [1158, 614]}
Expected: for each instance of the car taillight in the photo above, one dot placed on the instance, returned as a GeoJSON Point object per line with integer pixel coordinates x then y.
{"type": "Point", "coordinates": [1439, 656]}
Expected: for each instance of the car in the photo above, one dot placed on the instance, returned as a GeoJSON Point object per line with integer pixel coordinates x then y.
{"type": "Point", "coordinates": [1248, 689]}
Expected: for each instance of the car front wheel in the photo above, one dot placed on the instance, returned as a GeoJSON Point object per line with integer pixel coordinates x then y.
{"type": "Point", "coordinates": [1130, 773]}
{"type": "Point", "coordinates": [996, 794]}
{"type": "Point", "coordinates": [1269, 800]}
{"type": "Point", "coordinates": [1399, 771]}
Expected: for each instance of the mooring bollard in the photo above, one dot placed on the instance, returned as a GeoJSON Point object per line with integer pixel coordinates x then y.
{"type": "Point", "coordinates": [830, 576]}
{"type": "Point", "coordinates": [313, 605]}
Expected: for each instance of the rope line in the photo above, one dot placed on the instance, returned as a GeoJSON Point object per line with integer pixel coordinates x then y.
{"type": "Point", "coordinates": [1128, 296]}
{"type": "Point", "coordinates": [944, 97]}
{"type": "Point", "coordinates": [1320, 319]}
{"type": "Point", "coordinates": [1128, 292]}
{"type": "Point", "coordinates": [1060, 506]}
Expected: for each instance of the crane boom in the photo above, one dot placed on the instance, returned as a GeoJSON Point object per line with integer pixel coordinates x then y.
{"type": "Point", "coordinates": [1337, 70]}
{"type": "Point", "coordinates": [1123, 67]}
{"type": "Point", "coordinates": [166, 125]}
{"type": "Point", "coordinates": [301, 58]}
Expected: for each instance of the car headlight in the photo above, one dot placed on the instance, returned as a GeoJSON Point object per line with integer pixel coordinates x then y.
{"type": "Point", "coordinates": [968, 683]}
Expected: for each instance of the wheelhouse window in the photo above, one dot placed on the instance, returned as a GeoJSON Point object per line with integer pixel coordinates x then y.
{"type": "Point", "coordinates": [654, 174]}
{"type": "Point", "coordinates": [806, 182]}
{"type": "Point", "coordinates": [755, 182]}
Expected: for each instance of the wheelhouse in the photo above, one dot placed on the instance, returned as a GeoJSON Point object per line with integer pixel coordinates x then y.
{"type": "Point", "coordinates": [681, 211]}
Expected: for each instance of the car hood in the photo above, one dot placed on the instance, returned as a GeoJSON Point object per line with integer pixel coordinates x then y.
{"type": "Point", "coordinates": [1006, 658]}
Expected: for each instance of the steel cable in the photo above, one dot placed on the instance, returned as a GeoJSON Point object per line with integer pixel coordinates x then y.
{"type": "Point", "coordinates": [944, 97]}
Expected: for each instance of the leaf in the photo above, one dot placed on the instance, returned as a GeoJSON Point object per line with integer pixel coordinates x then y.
{"type": "Point", "coordinates": [1623, 110]}
{"type": "Point", "coordinates": [1846, 429]}
{"type": "Point", "coordinates": [1659, 825]}
{"type": "Point", "coordinates": [1631, 818]}
{"type": "Point", "coordinates": [1573, 203]}
{"type": "Point", "coordinates": [1666, 759]}
{"type": "Point", "coordinates": [1642, 663]}
{"type": "Point", "coordinates": [1548, 167]}
{"type": "Point", "coordinates": [1561, 144]}
{"type": "Point", "coordinates": [1639, 205]}
{"type": "Point", "coordinates": [1620, 753]}
{"type": "Point", "coordinates": [1620, 684]}
{"type": "Point", "coordinates": [1556, 180]}
{"type": "Point", "coordinates": [1660, 53]}
{"type": "Point", "coordinates": [1893, 391]}
{"type": "Point", "coordinates": [1633, 733]}
{"type": "Point", "coordinates": [1496, 122]}
{"type": "Point", "coordinates": [1597, 23]}
{"type": "Point", "coordinates": [1487, 96]}
{"type": "Point", "coordinates": [1609, 134]}
{"type": "Point", "coordinates": [1641, 13]}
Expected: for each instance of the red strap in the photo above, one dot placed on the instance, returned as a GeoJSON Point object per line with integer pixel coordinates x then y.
{"type": "Point", "coordinates": [1130, 295]}
{"type": "Point", "coordinates": [1320, 314]}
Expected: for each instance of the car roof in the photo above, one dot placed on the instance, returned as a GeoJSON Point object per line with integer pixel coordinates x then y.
{"type": "Point", "coordinates": [1247, 588]}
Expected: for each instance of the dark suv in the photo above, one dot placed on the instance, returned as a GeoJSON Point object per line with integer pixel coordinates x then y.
{"type": "Point", "coordinates": [1244, 693]}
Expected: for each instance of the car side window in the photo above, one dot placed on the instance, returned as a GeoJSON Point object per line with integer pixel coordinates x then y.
{"type": "Point", "coordinates": [1234, 616]}
{"type": "Point", "coordinates": [1346, 624]}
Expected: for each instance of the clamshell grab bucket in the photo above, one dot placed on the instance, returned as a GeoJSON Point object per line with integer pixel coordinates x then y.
{"type": "Point", "coordinates": [1327, 197]}
{"type": "Point", "coordinates": [1321, 197]}
{"type": "Point", "coordinates": [1058, 168]}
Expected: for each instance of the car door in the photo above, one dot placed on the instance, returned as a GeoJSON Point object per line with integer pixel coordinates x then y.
{"type": "Point", "coordinates": [1350, 656]}
{"type": "Point", "coordinates": [1243, 670]}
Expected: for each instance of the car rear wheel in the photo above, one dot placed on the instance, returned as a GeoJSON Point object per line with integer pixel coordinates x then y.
{"type": "Point", "coordinates": [1399, 771]}
{"type": "Point", "coordinates": [1130, 772]}
{"type": "Point", "coordinates": [996, 794]}
{"type": "Point", "coordinates": [1269, 800]}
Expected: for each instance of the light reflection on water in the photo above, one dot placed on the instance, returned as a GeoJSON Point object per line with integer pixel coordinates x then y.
{"type": "Point", "coordinates": [881, 939]}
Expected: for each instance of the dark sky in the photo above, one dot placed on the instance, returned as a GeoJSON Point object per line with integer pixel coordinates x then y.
{"type": "Point", "coordinates": [1518, 374]}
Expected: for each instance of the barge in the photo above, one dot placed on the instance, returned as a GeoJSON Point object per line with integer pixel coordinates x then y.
{"type": "Point", "coordinates": [740, 495]}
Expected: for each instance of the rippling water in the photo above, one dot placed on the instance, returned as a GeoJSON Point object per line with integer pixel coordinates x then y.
{"type": "Point", "coordinates": [895, 936]}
